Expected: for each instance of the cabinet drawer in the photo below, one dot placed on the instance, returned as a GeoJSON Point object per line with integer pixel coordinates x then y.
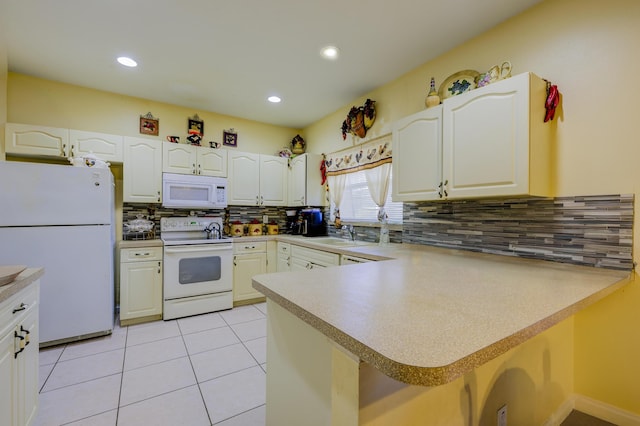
{"type": "Point", "coordinates": [140, 254]}
{"type": "Point", "coordinates": [249, 247]}
{"type": "Point", "coordinates": [318, 257]}
{"type": "Point", "coordinates": [284, 248]}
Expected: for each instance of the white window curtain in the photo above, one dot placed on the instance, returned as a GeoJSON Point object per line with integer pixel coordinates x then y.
{"type": "Point", "coordinates": [378, 183]}
{"type": "Point", "coordinates": [336, 190]}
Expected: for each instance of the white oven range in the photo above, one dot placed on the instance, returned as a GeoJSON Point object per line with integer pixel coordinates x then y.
{"type": "Point", "coordinates": [198, 266]}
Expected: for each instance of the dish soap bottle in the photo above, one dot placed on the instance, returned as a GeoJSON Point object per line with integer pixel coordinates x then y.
{"type": "Point", "coordinates": [432, 97]}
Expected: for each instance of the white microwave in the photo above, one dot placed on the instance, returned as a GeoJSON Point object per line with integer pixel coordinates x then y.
{"type": "Point", "coordinates": [193, 191]}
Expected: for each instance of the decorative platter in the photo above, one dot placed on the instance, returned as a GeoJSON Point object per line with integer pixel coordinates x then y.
{"type": "Point", "coordinates": [9, 273]}
{"type": "Point", "coordinates": [458, 83]}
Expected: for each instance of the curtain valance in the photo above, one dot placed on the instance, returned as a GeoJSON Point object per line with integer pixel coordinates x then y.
{"type": "Point", "coordinates": [361, 157]}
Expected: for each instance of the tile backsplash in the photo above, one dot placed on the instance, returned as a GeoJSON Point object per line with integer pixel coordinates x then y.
{"type": "Point", "coordinates": [583, 230]}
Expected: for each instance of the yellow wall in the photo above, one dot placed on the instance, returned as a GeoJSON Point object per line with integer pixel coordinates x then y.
{"type": "Point", "coordinates": [590, 49]}
{"type": "Point", "coordinates": [36, 101]}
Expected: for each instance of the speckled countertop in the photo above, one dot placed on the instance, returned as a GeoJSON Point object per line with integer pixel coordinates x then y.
{"type": "Point", "coordinates": [139, 243]}
{"type": "Point", "coordinates": [25, 278]}
{"type": "Point", "coordinates": [430, 315]}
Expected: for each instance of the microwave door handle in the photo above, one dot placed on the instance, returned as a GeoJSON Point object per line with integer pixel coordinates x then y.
{"type": "Point", "coordinates": [209, 247]}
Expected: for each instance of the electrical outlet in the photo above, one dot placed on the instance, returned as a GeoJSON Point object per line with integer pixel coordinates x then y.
{"type": "Point", "coordinates": [502, 415]}
{"type": "Point", "coordinates": [265, 218]}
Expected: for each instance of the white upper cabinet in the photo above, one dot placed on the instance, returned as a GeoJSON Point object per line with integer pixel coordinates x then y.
{"type": "Point", "coordinates": [417, 156]}
{"type": "Point", "coordinates": [257, 180]}
{"type": "Point", "coordinates": [142, 170]}
{"type": "Point", "coordinates": [494, 142]}
{"type": "Point", "coordinates": [244, 179]}
{"type": "Point", "coordinates": [104, 146]}
{"type": "Point", "coordinates": [273, 180]}
{"type": "Point", "coordinates": [194, 160]}
{"type": "Point", "coordinates": [38, 141]}
{"type": "Point", "coordinates": [305, 187]}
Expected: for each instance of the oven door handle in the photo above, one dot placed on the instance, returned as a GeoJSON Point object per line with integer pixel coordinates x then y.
{"type": "Point", "coordinates": [197, 249]}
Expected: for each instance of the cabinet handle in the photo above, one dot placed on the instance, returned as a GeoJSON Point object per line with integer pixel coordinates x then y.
{"type": "Point", "coordinates": [27, 333]}
{"type": "Point", "coordinates": [158, 196]}
{"type": "Point", "coordinates": [71, 153]}
{"type": "Point", "coordinates": [63, 149]}
{"type": "Point", "coordinates": [22, 307]}
{"type": "Point", "coordinates": [142, 254]}
{"type": "Point", "coordinates": [234, 261]}
{"type": "Point", "coordinates": [159, 267]}
{"type": "Point", "coordinates": [257, 201]}
{"type": "Point", "coordinates": [199, 169]}
{"type": "Point", "coordinates": [446, 182]}
{"type": "Point", "coordinates": [193, 169]}
{"type": "Point", "coordinates": [249, 247]}
{"type": "Point", "coordinates": [261, 200]}
{"type": "Point", "coordinates": [21, 344]}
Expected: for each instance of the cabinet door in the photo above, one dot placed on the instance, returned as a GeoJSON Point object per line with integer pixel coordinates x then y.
{"type": "Point", "coordinates": [273, 180]}
{"type": "Point", "coordinates": [298, 181]}
{"type": "Point", "coordinates": [104, 146]}
{"type": "Point", "coordinates": [142, 170]}
{"type": "Point", "coordinates": [27, 368]}
{"type": "Point", "coordinates": [140, 289]}
{"type": "Point", "coordinates": [245, 266]}
{"type": "Point", "coordinates": [8, 380]}
{"type": "Point", "coordinates": [212, 162]}
{"type": "Point", "coordinates": [179, 158]}
{"type": "Point", "coordinates": [244, 179]}
{"type": "Point", "coordinates": [417, 156]}
{"type": "Point", "coordinates": [25, 139]}
{"type": "Point", "coordinates": [486, 140]}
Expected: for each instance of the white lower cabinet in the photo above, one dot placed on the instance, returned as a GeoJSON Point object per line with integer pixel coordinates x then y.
{"type": "Point", "coordinates": [19, 357]}
{"type": "Point", "coordinates": [249, 259]}
{"type": "Point", "coordinates": [284, 257]}
{"type": "Point", "coordinates": [140, 284]}
{"type": "Point", "coordinates": [304, 258]}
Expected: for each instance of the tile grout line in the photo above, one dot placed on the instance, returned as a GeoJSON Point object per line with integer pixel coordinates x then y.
{"type": "Point", "coordinates": [124, 358]}
{"type": "Point", "coordinates": [206, 409]}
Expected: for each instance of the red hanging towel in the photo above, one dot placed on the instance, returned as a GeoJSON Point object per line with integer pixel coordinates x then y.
{"type": "Point", "coordinates": [323, 170]}
{"type": "Point", "coordinates": [553, 98]}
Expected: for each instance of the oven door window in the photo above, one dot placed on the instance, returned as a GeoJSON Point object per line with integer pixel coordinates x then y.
{"type": "Point", "coordinates": [199, 269]}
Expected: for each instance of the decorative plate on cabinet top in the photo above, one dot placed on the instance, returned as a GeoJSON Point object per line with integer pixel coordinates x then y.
{"type": "Point", "coordinates": [458, 83]}
{"type": "Point", "coordinates": [9, 273]}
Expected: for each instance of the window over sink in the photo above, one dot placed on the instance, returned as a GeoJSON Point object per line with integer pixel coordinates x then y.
{"type": "Point", "coordinates": [358, 206]}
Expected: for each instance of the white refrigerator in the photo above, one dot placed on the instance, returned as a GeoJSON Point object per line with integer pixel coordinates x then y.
{"type": "Point", "coordinates": [62, 218]}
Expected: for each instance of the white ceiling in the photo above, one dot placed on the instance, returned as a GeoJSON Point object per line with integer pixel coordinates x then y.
{"type": "Point", "coordinates": [229, 56]}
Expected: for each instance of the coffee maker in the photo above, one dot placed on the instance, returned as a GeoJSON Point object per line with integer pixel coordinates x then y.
{"type": "Point", "coordinates": [293, 224]}
{"type": "Point", "coordinates": [313, 224]}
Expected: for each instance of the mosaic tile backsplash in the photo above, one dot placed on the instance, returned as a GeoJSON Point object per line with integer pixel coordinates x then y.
{"type": "Point", "coordinates": [583, 230]}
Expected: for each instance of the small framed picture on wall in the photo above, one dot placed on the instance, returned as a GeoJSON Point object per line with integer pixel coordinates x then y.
{"type": "Point", "coordinates": [149, 125]}
{"type": "Point", "coordinates": [230, 138]}
{"type": "Point", "coordinates": [196, 126]}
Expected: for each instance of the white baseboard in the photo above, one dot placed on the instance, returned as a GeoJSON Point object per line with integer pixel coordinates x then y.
{"type": "Point", "coordinates": [594, 408]}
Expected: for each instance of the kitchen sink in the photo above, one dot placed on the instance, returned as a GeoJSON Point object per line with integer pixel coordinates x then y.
{"type": "Point", "coordinates": [339, 242]}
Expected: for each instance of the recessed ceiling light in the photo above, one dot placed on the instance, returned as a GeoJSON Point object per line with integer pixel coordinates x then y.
{"type": "Point", "coordinates": [127, 62]}
{"type": "Point", "coordinates": [330, 52]}
{"type": "Point", "coordinates": [274, 99]}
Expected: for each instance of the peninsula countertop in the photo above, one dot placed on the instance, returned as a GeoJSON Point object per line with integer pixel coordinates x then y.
{"type": "Point", "coordinates": [429, 315]}
{"type": "Point", "coordinates": [23, 280]}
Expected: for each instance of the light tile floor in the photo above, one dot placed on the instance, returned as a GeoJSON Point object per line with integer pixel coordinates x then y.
{"type": "Point", "coordinates": [201, 370]}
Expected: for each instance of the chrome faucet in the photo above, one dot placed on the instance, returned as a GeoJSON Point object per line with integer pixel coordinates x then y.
{"type": "Point", "coordinates": [351, 230]}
